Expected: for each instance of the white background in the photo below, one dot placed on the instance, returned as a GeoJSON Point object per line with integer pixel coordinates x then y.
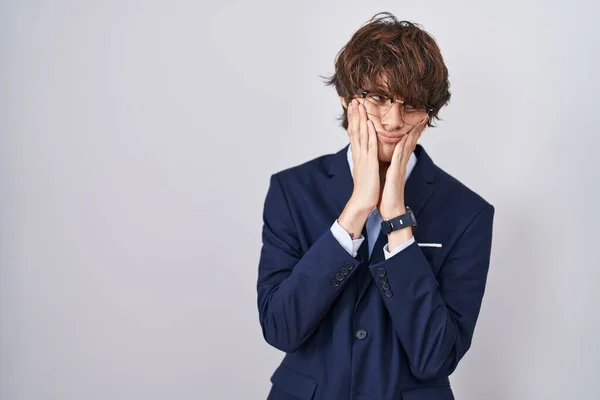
{"type": "Point", "coordinates": [137, 140]}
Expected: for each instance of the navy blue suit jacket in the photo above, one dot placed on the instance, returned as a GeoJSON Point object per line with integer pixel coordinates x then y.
{"type": "Point", "coordinates": [369, 328]}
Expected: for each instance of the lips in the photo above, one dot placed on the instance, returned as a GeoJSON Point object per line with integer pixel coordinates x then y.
{"type": "Point", "coordinates": [388, 138]}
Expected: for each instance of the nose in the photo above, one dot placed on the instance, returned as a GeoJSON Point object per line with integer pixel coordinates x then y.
{"type": "Point", "coordinates": [392, 119]}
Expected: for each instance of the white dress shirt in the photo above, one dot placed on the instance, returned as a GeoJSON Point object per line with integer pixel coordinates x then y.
{"type": "Point", "coordinates": [373, 224]}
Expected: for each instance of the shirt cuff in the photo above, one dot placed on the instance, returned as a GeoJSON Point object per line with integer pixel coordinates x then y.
{"type": "Point", "coordinates": [398, 249]}
{"type": "Point", "coordinates": [343, 237]}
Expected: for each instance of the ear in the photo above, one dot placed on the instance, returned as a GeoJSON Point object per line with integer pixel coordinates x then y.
{"type": "Point", "coordinates": [343, 101]}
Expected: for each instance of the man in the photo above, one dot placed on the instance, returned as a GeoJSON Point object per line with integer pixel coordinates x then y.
{"type": "Point", "coordinates": [374, 260]}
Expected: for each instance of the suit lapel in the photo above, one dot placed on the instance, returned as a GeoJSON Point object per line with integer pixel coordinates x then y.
{"type": "Point", "coordinates": [377, 254]}
{"type": "Point", "coordinates": [340, 182]}
{"type": "Point", "coordinates": [420, 183]}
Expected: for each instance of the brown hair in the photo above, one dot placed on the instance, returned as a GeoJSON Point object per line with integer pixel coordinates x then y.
{"type": "Point", "coordinates": [394, 57]}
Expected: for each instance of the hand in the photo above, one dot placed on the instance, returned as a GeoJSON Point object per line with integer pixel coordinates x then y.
{"type": "Point", "coordinates": [392, 198]}
{"type": "Point", "coordinates": [365, 171]}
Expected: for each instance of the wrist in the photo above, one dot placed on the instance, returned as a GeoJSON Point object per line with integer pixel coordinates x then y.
{"type": "Point", "coordinates": [393, 213]}
{"type": "Point", "coordinates": [353, 218]}
{"type": "Point", "coordinates": [396, 238]}
{"type": "Point", "coordinates": [358, 209]}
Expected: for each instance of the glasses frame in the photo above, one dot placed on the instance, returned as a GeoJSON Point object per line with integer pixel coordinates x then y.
{"type": "Point", "coordinates": [428, 110]}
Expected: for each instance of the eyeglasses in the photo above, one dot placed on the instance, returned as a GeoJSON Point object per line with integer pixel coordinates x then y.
{"type": "Point", "coordinates": [379, 105]}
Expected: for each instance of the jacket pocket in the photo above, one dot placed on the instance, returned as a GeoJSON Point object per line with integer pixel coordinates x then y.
{"type": "Point", "coordinates": [429, 244]}
{"type": "Point", "coordinates": [294, 383]}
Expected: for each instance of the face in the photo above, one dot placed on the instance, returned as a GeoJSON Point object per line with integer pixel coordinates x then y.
{"type": "Point", "coordinates": [390, 129]}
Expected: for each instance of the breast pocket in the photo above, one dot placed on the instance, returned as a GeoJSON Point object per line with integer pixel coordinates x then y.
{"type": "Point", "coordinates": [434, 255]}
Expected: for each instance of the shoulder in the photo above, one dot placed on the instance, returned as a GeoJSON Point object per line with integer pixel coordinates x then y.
{"type": "Point", "coordinates": [307, 173]}
{"type": "Point", "coordinates": [449, 192]}
{"type": "Point", "coordinates": [456, 195]}
{"type": "Point", "coordinates": [446, 179]}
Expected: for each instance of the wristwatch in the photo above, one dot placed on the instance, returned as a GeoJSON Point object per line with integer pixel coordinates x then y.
{"type": "Point", "coordinates": [399, 222]}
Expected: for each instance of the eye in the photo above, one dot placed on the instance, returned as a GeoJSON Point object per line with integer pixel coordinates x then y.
{"type": "Point", "coordinates": [379, 98]}
{"type": "Point", "coordinates": [411, 109]}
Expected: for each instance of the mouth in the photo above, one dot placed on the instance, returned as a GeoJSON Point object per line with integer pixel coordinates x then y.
{"type": "Point", "coordinates": [386, 138]}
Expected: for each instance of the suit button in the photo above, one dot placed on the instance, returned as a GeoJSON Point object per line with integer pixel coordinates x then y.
{"type": "Point", "coordinates": [361, 334]}
{"type": "Point", "coordinates": [381, 271]}
{"type": "Point", "coordinates": [389, 293]}
{"type": "Point", "coordinates": [339, 277]}
{"type": "Point", "coordinates": [383, 279]}
{"type": "Point", "coordinates": [385, 286]}
{"type": "Point", "coordinates": [349, 265]}
{"type": "Point", "coordinates": [344, 271]}
{"type": "Point", "coordinates": [335, 283]}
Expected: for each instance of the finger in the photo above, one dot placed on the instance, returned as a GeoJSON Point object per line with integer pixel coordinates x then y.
{"type": "Point", "coordinates": [397, 154]}
{"type": "Point", "coordinates": [411, 141]}
{"type": "Point", "coordinates": [363, 132]}
{"type": "Point", "coordinates": [392, 171]}
{"type": "Point", "coordinates": [372, 147]}
{"type": "Point", "coordinates": [414, 137]}
{"type": "Point", "coordinates": [408, 145]}
{"type": "Point", "coordinates": [353, 124]}
{"type": "Point", "coordinates": [351, 130]}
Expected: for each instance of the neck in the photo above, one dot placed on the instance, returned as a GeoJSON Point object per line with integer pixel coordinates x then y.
{"type": "Point", "coordinates": [383, 167]}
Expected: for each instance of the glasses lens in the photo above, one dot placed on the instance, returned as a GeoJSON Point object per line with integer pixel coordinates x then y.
{"type": "Point", "coordinates": [413, 116]}
{"type": "Point", "coordinates": [379, 105]}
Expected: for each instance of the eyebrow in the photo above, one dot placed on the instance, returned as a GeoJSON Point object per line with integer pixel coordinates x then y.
{"type": "Point", "coordinates": [384, 93]}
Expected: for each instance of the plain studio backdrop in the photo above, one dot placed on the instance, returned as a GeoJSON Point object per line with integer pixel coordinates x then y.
{"type": "Point", "coordinates": [137, 141]}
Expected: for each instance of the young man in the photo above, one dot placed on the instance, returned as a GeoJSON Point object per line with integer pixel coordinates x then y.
{"type": "Point", "coordinates": [374, 260]}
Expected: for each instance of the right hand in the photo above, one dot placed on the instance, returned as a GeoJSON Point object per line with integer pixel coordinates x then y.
{"type": "Point", "coordinates": [365, 171]}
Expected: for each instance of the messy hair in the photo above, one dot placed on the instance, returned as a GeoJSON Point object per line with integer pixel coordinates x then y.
{"type": "Point", "coordinates": [394, 57]}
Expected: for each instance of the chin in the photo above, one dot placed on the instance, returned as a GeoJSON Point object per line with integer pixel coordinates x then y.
{"type": "Point", "coordinates": [385, 151]}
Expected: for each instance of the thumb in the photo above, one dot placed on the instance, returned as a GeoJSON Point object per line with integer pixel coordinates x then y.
{"type": "Point", "coordinates": [392, 170]}
{"type": "Point", "coordinates": [397, 153]}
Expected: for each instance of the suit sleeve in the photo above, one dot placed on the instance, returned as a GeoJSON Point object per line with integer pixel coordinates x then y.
{"type": "Point", "coordinates": [296, 289]}
{"type": "Point", "coordinates": [434, 318]}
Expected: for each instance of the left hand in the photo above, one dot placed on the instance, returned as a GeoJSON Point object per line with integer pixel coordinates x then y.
{"type": "Point", "coordinates": [392, 197]}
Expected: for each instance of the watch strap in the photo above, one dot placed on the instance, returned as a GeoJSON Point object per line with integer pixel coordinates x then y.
{"type": "Point", "coordinates": [399, 222]}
